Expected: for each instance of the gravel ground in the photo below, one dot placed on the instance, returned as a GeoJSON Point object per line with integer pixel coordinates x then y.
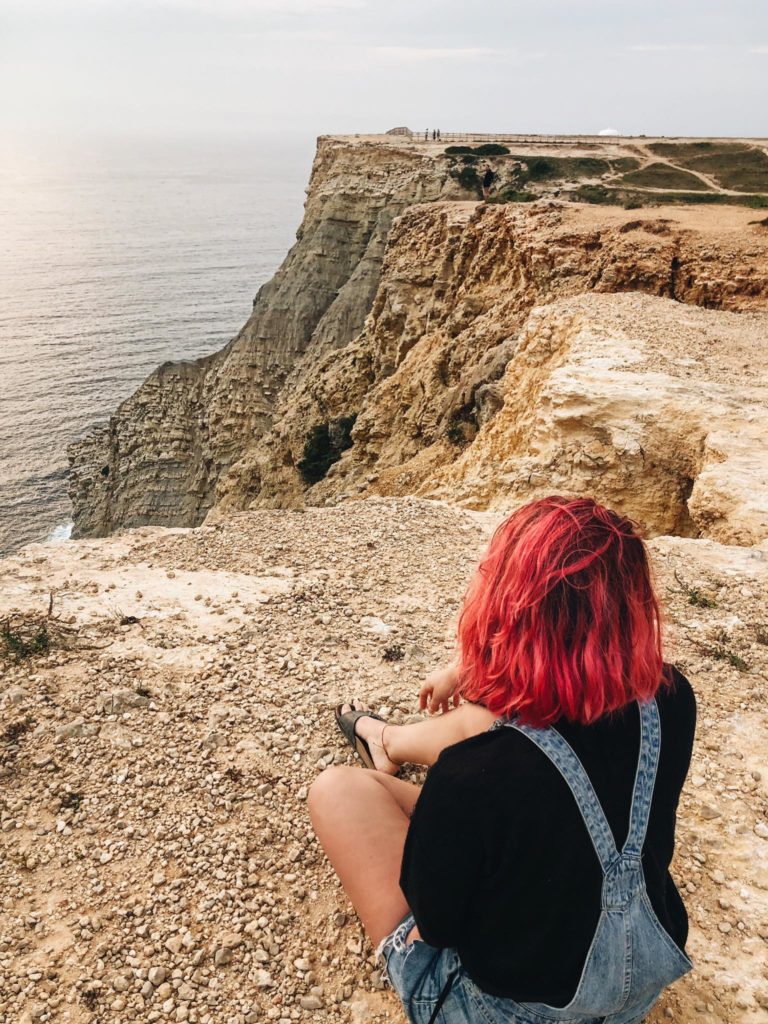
{"type": "Point", "coordinates": [156, 858]}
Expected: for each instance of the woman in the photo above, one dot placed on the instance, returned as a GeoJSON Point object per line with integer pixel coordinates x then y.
{"type": "Point", "coordinates": [528, 880]}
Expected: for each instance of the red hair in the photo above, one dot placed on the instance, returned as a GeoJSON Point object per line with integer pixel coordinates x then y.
{"type": "Point", "coordinates": [561, 620]}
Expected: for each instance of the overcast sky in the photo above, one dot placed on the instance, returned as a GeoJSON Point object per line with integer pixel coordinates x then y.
{"type": "Point", "coordinates": [689, 67]}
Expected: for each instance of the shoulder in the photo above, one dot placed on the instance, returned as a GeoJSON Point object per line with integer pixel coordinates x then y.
{"type": "Point", "coordinates": [676, 700]}
{"type": "Point", "coordinates": [472, 766]}
{"type": "Point", "coordinates": [677, 711]}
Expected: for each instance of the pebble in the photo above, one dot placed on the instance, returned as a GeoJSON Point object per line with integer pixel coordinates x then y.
{"type": "Point", "coordinates": [311, 1003]}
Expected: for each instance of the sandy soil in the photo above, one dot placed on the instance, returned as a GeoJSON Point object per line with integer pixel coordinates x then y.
{"type": "Point", "coordinates": [156, 860]}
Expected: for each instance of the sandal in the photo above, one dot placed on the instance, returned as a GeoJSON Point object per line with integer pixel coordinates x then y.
{"type": "Point", "coordinates": [346, 722]}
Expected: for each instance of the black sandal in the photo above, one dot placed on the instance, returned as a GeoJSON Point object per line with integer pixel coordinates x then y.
{"type": "Point", "coordinates": [346, 722]}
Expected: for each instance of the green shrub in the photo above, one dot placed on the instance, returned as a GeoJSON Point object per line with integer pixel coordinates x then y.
{"type": "Point", "coordinates": [491, 149]}
{"type": "Point", "coordinates": [21, 646]}
{"type": "Point", "coordinates": [511, 195]}
{"type": "Point", "coordinates": [468, 179]}
{"type": "Point", "coordinates": [324, 444]}
{"type": "Point", "coordinates": [462, 426]}
{"type": "Point", "coordinates": [541, 168]}
{"type": "Point", "coordinates": [457, 150]}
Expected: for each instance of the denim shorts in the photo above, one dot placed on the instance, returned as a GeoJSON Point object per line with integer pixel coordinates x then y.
{"type": "Point", "coordinates": [419, 972]}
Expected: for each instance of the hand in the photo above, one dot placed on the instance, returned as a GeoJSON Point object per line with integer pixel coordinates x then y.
{"type": "Point", "coordinates": [438, 692]}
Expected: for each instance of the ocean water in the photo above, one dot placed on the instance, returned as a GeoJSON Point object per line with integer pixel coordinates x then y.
{"type": "Point", "coordinates": [114, 257]}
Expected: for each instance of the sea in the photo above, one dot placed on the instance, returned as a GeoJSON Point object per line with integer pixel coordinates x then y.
{"type": "Point", "coordinates": [115, 256]}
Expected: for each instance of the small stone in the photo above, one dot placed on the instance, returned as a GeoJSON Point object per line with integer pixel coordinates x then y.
{"type": "Point", "coordinates": [761, 829]}
{"type": "Point", "coordinates": [157, 975]}
{"type": "Point", "coordinates": [311, 1003]}
{"type": "Point", "coordinates": [71, 730]}
{"type": "Point", "coordinates": [185, 992]}
{"type": "Point", "coordinates": [222, 957]}
{"type": "Point", "coordinates": [173, 944]}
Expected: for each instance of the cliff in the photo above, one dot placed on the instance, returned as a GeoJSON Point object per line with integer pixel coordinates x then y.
{"type": "Point", "coordinates": [513, 350]}
{"type": "Point", "coordinates": [159, 458]}
{"type": "Point", "coordinates": [398, 328]}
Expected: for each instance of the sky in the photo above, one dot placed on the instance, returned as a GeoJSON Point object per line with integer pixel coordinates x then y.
{"type": "Point", "coordinates": [245, 67]}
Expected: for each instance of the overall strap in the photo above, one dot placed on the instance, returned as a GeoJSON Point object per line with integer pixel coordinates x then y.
{"type": "Point", "coordinates": [645, 777]}
{"type": "Point", "coordinates": [561, 754]}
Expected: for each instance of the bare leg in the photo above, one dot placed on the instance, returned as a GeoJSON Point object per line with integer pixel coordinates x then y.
{"type": "Point", "coordinates": [361, 818]}
{"type": "Point", "coordinates": [421, 742]}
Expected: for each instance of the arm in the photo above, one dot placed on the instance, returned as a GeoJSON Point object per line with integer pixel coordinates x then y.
{"type": "Point", "coordinates": [443, 857]}
{"type": "Point", "coordinates": [438, 691]}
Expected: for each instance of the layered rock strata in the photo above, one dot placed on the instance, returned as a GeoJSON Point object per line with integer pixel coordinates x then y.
{"type": "Point", "coordinates": [402, 307]}
{"type": "Point", "coordinates": [485, 348]}
{"type": "Point", "coordinates": [159, 457]}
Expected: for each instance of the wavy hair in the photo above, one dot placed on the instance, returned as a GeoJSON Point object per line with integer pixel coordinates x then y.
{"type": "Point", "coordinates": [561, 619]}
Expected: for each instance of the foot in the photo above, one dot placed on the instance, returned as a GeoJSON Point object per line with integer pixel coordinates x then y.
{"type": "Point", "coordinates": [372, 730]}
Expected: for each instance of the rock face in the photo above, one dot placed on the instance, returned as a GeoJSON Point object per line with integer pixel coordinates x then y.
{"type": "Point", "coordinates": [159, 457]}
{"type": "Point", "coordinates": [466, 387]}
{"type": "Point", "coordinates": [656, 411]}
{"type": "Point", "coordinates": [406, 309]}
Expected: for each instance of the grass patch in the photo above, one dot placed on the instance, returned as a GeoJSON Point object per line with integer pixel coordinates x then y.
{"type": "Point", "coordinates": [324, 446]}
{"type": "Point", "coordinates": [664, 176]}
{"type": "Point", "coordinates": [550, 168]}
{"type": "Point", "coordinates": [603, 195]}
{"type": "Point", "coordinates": [721, 653]}
{"type": "Point", "coordinates": [734, 165]}
{"type": "Point", "coordinates": [761, 633]}
{"type": "Point", "coordinates": [694, 595]}
{"type": "Point", "coordinates": [20, 643]}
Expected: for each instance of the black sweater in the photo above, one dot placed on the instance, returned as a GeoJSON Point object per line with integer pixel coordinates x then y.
{"type": "Point", "coordinates": [498, 863]}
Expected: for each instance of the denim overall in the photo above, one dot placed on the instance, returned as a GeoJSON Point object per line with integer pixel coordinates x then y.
{"type": "Point", "coordinates": [631, 958]}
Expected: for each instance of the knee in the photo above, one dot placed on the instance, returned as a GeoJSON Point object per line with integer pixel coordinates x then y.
{"type": "Point", "coordinates": [330, 784]}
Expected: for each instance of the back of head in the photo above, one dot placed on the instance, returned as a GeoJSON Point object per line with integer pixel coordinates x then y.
{"type": "Point", "coordinates": [561, 620]}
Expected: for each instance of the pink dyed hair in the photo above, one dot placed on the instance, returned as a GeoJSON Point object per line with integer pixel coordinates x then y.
{"type": "Point", "coordinates": [561, 620]}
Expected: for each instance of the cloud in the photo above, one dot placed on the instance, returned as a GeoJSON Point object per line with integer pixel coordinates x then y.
{"type": "Point", "coordinates": [418, 53]}
{"type": "Point", "coordinates": [668, 48]}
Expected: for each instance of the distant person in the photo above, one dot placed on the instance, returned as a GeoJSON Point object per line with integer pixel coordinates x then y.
{"type": "Point", "coordinates": [488, 179]}
{"type": "Point", "coordinates": [434, 134]}
{"type": "Point", "coordinates": [528, 880]}
{"type": "Point", "coordinates": [438, 134]}
{"type": "Point", "coordinates": [426, 134]}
